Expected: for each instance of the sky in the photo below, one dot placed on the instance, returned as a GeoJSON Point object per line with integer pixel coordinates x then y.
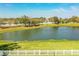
{"type": "Point", "coordinates": [64, 10]}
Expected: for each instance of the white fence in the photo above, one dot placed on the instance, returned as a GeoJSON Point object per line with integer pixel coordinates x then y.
{"type": "Point", "coordinates": [41, 53]}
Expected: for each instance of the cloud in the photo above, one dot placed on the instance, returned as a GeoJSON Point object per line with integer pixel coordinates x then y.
{"type": "Point", "coordinates": [60, 12]}
{"type": "Point", "coordinates": [74, 8]}
{"type": "Point", "coordinates": [63, 12]}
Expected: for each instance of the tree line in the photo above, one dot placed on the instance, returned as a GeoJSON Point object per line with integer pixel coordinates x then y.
{"type": "Point", "coordinates": [28, 21]}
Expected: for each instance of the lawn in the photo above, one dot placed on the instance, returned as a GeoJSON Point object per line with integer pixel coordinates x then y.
{"type": "Point", "coordinates": [50, 45]}
{"type": "Point", "coordinates": [46, 44]}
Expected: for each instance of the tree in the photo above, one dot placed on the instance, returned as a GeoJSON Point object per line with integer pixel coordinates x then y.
{"type": "Point", "coordinates": [42, 19]}
{"type": "Point", "coordinates": [74, 19]}
{"type": "Point", "coordinates": [1, 21]}
{"type": "Point", "coordinates": [61, 20]}
{"type": "Point", "coordinates": [25, 20]}
{"type": "Point", "coordinates": [19, 20]}
{"type": "Point", "coordinates": [6, 47]}
{"type": "Point", "coordinates": [37, 21]}
{"type": "Point", "coordinates": [54, 19]}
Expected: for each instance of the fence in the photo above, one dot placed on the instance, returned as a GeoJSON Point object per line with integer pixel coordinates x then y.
{"type": "Point", "coordinates": [40, 53]}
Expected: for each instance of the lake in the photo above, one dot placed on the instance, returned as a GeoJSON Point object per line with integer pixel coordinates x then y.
{"type": "Point", "coordinates": [45, 33]}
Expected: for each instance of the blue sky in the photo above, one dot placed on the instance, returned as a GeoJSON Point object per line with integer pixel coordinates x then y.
{"type": "Point", "coordinates": [63, 10]}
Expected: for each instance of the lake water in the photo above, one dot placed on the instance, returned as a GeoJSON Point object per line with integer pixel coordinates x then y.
{"type": "Point", "coordinates": [45, 33]}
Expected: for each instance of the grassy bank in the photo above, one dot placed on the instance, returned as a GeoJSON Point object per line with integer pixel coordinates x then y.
{"type": "Point", "coordinates": [47, 45]}
{"type": "Point", "coordinates": [27, 28]}
{"type": "Point", "coordinates": [18, 29]}
{"type": "Point", "coordinates": [70, 25]}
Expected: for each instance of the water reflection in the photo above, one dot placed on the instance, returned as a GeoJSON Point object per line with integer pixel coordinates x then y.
{"type": "Point", "coordinates": [71, 33]}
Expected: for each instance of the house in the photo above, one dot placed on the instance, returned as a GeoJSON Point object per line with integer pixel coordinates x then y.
{"type": "Point", "coordinates": [9, 23]}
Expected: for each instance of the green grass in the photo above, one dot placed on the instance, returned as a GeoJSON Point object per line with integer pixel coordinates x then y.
{"type": "Point", "coordinates": [43, 25]}
{"type": "Point", "coordinates": [46, 45]}
{"type": "Point", "coordinates": [18, 29]}
{"type": "Point", "coordinates": [49, 45]}
{"type": "Point", "coordinates": [43, 44]}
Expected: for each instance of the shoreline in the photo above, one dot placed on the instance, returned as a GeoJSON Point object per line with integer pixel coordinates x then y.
{"type": "Point", "coordinates": [18, 29]}
{"type": "Point", "coordinates": [44, 25]}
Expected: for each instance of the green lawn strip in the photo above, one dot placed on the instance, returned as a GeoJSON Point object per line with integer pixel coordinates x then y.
{"type": "Point", "coordinates": [46, 45]}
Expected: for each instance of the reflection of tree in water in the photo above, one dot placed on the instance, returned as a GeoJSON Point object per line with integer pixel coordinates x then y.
{"type": "Point", "coordinates": [55, 28]}
{"type": "Point", "coordinates": [54, 31]}
{"type": "Point", "coordinates": [26, 34]}
{"type": "Point", "coordinates": [6, 47]}
{"type": "Point", "coordinates": [75, 27]}
{"type": "Point", "coordinates": [30, 34]}
{"type": "Point", "coordinates": [1, 36]}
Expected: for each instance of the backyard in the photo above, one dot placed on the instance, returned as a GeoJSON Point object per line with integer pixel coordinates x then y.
{"type": "Point", "coordinates": [43, 43]}
{"type": "Point", "coordinates": [45, 26]}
